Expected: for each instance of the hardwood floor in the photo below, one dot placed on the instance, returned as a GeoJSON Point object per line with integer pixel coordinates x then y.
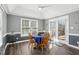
{"type": "Point", "coordinates": [22, 49]}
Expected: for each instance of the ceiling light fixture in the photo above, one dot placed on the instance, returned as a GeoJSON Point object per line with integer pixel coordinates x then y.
{"type": "Point", "coordinates": [40, 8]}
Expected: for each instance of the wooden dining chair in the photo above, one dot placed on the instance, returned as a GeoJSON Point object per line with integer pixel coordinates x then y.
{"type": "Point", "coordinates": [31, 42]}
{"type": "Point", "coordinates": [44, 41]}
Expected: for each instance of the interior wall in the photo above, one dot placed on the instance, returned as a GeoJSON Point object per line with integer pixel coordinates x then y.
{"type": "Point", "coordinates": [4, 27]}
{"type": "Point", "coordinates": [46, 25]}
{"type": "Point", "coordinates": [4, 23]}
{"type": "Point", "coordinates": [14, 25]}
{"type": "Point", "coordinates": [74, 22]}
{"type": "Point", "coordinates": [40, 25]}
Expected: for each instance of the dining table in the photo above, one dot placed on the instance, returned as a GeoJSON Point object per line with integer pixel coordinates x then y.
{"type": "Point", "coordinates": [37, 38]}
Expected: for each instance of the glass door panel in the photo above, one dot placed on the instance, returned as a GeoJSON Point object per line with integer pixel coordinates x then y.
{"type": "Point", "coordinates": [52, 29]}
{"type": "Point", "coordinates": [61, 28]}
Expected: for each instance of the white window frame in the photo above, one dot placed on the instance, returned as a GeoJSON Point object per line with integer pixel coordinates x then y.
{"type": "Point", "coordinates": [30, 20]}
{"type": "Point", "coordinates": [21, 27]}
{"type": "Point", "coordinates": [36, 23]}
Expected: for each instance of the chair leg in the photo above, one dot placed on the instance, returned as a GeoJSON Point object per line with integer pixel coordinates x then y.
{"type": "Point", "coordinates": [31, 48]}
{"type": "Point", "coordinates": [28, 45]}
{"type": "Point", "coordinates": [42, 49]}
{"type": "Point", "coordinates": [48, 49]}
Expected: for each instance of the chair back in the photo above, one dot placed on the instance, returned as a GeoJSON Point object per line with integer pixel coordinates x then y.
{"type": "Point", "coordinates": [30, 38]}
{"type": "Point", "coordinates": [45, 38]}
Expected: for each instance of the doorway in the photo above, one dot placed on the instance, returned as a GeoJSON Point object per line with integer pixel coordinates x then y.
{"type": "Point", "coordinates": [59, 29]}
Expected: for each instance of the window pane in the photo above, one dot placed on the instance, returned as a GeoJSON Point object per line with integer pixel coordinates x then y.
{"type": "Point", "coordinates": [33, 24]}
{"type": "Point", "coordinates": [25, 31]}
{"type": "Point", "coordinates": [34, 30]}
{"type": "Point", "coordinates": [25, 23]}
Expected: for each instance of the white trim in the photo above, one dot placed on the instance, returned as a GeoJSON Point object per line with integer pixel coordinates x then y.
{"type": "Point", "coordinates": [13, 33]}
{"type": "Point", "coordinates": [74, 34]}
{"type": "Point", "coordinates": [17, 33]}
{"type": "Point", "coordinates": [72, 46]}
{"type": "Point", "coordinates": [3, 10]}
{"type": "Point", "coordinates": [10, 34]}
{"type": "Point", "coordinates": [67, 28]}
{"type": "Point", "coordinates": [66, 43]}
{"type": "Point", "coordinates": [4, 35]}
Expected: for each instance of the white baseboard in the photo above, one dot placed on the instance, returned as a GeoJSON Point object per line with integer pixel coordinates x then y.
{"type": "Point", "coordinates": [73, 46]}
{"type": "Point", "coordinates": [69, 45]}
{"type": "Point", "coordinates": [14, 33]}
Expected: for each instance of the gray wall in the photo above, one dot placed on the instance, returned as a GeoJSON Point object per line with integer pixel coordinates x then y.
{"type": "Point", "coordinates": [46, 25]}
{"type": "Point", "coordinates": [73, 40]}
{"type": "Point", "coordinates": [14, 25]}
{"type": "Point", "coordinates": [40, 25]}
{"type": "Point", "coordinates": [4, 17]}
{"type": "Point", "coordinates": [74, 22]}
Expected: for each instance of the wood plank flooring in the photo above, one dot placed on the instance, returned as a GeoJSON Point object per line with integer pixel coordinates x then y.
{"type": "Point", "coordinates": [22, 49]}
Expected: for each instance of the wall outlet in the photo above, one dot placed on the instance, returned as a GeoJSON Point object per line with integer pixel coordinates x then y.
{"type": "Point", "coordinates": [17, 38]}
{"type": "Point", "coordinates": [78, 42]}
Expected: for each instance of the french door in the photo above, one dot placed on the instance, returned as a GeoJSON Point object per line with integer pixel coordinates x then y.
{"type": "Point", "coordinates": [58, 28]}
{"type": "Point", "coordinates": [53, 29]}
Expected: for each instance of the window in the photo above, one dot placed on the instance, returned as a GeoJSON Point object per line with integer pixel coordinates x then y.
{"type": "Point", "coordinates": [34, 26]}
{"type": "Point", "coordinates": [28, 25]}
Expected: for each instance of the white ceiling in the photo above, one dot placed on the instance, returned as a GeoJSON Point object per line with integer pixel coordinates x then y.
{"type": "Point", "coordinates": [32, 10]}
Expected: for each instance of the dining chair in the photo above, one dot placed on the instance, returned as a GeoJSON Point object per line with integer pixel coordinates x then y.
{"type": "Point", "coordinates": [31, 42]}
{"type": "Point", "coordinates": [44, 42]}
